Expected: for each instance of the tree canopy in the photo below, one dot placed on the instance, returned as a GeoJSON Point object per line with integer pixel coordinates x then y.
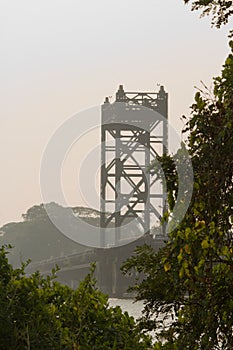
{"type": "Point", "coordinates": [189, 281]}
{"type": "Point", "coordinates": [220, 10]}
{"type": "Point", "coordinates": [39, 313]}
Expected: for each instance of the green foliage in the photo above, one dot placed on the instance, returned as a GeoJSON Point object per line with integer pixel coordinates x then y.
{"type": "Point", "coordinates": [189, 281]}
{"type": "Point", "coordinates": [221, 10]}
{"type": "Point", "coordinates": [40, 313]}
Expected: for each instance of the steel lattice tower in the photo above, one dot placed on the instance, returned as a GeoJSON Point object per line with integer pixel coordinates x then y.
{"type": "Point", "coordinates": [134, 131]}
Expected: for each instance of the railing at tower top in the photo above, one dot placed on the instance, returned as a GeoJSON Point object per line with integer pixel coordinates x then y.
{"type": "Point", "coordinates": [151, 100]}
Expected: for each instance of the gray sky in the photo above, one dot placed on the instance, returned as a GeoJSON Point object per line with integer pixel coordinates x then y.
{"type": "Point", "coordinates": [60, 57]}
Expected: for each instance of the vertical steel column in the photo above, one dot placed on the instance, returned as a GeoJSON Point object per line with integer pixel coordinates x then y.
{"type": "Point", "coordinates": [118, 175]}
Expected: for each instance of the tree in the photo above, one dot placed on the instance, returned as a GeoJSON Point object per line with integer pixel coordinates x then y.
{"type": "Point", "coordinates": [189, 281]}
{"type": "Point", "coordinates": [221, 10]}
{"type": "Point", "coordinates": [37, 238]}
{"type": "Point", "coordinates": [39, 313]}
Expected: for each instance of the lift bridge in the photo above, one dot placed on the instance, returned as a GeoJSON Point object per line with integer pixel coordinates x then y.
{"type": "Point", "coordinates": [134, 130]}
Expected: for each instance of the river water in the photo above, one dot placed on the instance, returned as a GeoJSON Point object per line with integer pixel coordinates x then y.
{"type": "Point", "coordinates": [133, 309]}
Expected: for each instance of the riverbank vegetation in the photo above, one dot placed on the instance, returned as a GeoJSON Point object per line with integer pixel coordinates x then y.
{"type": "Point", "coordinates": [39, 313]}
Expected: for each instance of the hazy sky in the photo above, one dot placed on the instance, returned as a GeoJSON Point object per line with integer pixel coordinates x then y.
{"type": "Point", "coordinates": [60, 57]}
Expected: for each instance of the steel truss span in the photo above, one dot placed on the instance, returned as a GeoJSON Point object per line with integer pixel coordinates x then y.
{"type": "Point", "coordinates": [134, 130]}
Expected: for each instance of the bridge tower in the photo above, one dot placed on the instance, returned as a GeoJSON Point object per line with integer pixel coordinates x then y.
{"type": "Point", "coordinates": [134, 131]}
